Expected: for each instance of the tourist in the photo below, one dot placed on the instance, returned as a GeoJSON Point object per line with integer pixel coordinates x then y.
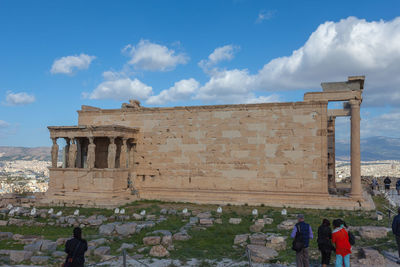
{"type": "Point", "coordinates": [324, 242]}
{"type": "Point", "coordinates": [398, 186]}
{"type": "Point", "coordinates": [374, 184]}
{"type": "Point", "coordinates": [396, 230]}
{"type": "Point", "coordinates": [387, 183]}
{"type": "Point", "coordinates": [76, 248]}
{"type": "Point", "coordinates": [340, 238]}
{"type": "Point", "coordinates": [305, 230]}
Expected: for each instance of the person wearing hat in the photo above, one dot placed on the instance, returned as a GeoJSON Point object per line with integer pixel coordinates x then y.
{"type": "Point", "coordinates": [304, 229]}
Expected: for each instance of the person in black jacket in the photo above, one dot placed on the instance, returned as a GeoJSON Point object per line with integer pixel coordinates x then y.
{"type": "Point", "coordinates": [396, 230]}
{"type": "Point", "coordinates": [324, 242]}
{"type": "Point", "coordinates": [387, 183]}
{"type": "Point", "coordinates": [76, 248]}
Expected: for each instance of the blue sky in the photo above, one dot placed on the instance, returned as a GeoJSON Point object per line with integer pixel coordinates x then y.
{"type": "Point", "coordinates": [58, 55]}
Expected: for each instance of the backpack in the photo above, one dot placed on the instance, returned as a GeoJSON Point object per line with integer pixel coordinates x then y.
{"type": "Point", "coordinates": [352, 238]}
{"type": "Point", "coordinates": [298, 242]}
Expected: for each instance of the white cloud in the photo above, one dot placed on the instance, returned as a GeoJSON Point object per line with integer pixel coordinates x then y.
{"type": "Point", "coordinates": [386, 124]}
{"type": "Point", "coordinates": [265, 15]}
{"type": "Point", "coordinates": [263, 99]}
{"type": "Point", "coordinates": [120, 88]}
{"type": "Point", "coordinates": [181, 90]}
{"type": "Point", "coordinates": [334, 51]}
{"type": "Point", "coordinates": [66, 65]}
{"type": "Point", "coordinates": [219, 54]}
{"type": "Point", "coordinates": [4, 124]}
{"type": "Point", "coordinates": [227, 86]}
{"type": "Point", "coordinates": [19, 98]}
{"type": "Point", "coordinates": [154, 57]}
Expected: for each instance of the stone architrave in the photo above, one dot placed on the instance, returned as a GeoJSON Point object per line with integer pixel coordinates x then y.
{"type": "Point", "coordinates": [122, 157]}
{"type": "Point", "coordinates": [54, 153]}
{"type": "Point", "coordinates": [112, 151]}
{"type": "Point", "coordinates": [91, 154]}
{"type": "Point", "coordinates": [73, 150]}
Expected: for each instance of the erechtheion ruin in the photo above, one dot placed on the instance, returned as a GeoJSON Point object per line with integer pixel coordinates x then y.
{"type": "Point", "coordinates": [277, 154]}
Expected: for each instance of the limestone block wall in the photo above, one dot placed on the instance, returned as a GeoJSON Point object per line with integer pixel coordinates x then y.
{"type": "Point", "coordinates": [274, 148]}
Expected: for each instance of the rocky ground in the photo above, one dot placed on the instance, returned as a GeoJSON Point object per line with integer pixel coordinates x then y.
{"type": "Point", "coordinates": [176, 234]}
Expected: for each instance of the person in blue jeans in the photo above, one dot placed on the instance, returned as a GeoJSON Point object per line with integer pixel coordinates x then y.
{"type": "Point", "coordinates": [302, 259]}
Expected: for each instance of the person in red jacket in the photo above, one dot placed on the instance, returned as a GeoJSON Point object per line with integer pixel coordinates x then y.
{"type": "Point", "coordinates": [340, 238]}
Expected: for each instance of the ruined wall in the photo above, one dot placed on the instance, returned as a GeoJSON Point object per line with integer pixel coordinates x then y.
{"type": "Point", "coordinates": [268, 148]}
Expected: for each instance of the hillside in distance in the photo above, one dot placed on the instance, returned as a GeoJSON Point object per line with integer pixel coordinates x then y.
{"type": "Point", "coordinates": [372, 149]}
{"type": "Point", "coordinates": [24, 153]}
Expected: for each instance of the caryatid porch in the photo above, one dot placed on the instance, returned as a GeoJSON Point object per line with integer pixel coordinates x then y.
{"type": "Point", "coordinates": [97, 160]}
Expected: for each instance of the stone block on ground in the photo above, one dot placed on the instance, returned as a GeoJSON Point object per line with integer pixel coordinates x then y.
{"type": "Point", "coordinates": [204, 215]}
{"type": "Point", "coordinates": [125, 229]}
{"type": "Point", "coordinates": [256, 228]}
{"type": "Point", "coordinates": [34, 247]}
{"type": "Point", "coordinates": [126, 246]}
{"type": "Point", "coordinates": [261, 254]}
{"type": "Point", "coordinates": [287, 224]}
{"type": "Point", "coordinates": [371, 257]}
{"type": "Point", "coordinates": [166, 240]}
{"type": "Point", "coordinates": [97, 242]}
{"type": "Point", "coordinates": [268, 220]}
{"type": "Point", "coordinates": [58, 254]}
{"type": "Point", "coordinates": [163, 232]}
{"type": "Point", "coordinates": [3, 222]}
{"type": "Point", "coordinates": [61, 241]}
{"type": "Point", "coordinates": [181, 236]}
{"type": "Point", "coordinates": [151, 240]}
{"type": "Point", "coordinates": [40, 259]}
{"type": "Point", "coordinates": [235, 220]}
{"type": "Point", "coordinates": [240, 239]}
{"type": "Point", "coordinates": [194, 220]}
{"type": "Point", "coordinates": [258, 239]}
{"type": "Point", "coordinates": [48, 246]}
{"type": "Point", "coordinates": [100, 251]}
{"type": "Point", "coordinates": [372, 232]}
{"type": "Point", "coordinates": [206, 221]}
{"type": "Point", "coordinates": [276, 242]}
{"type": "Point", "coordinates": [107, 229]}
{"type": "Point", "coordinates": [18, 256]}
{"type": "Point", "coordinates": [6, 235]}
{"type": "Point", "coordinates": [159, 251]}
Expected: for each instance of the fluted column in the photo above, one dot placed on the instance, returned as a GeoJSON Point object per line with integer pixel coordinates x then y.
{"type": "Point", "coordinates": [91, 154]}
{"type": "Point", "coordinates": [54, 153]}
{"type": "Point", "coordinates": [112, 151]}
{"type": "Point", "coordinates": [356, 189]}
{"type": "Point", "coordinates": [122, 157]}
{"type": "Point", "coordinates": [331, 153]}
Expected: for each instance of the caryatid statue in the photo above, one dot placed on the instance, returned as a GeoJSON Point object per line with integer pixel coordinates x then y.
{"type": "Point", "coordinates": [91, 154]}
{"type": "Point", "coordinates": [123, 156]}
{"type": "Point", "coordinates": [112, 152]}
{"type": "Point", "coordinates": [54, 153]}
{"type": "Point", "coordinates": [73, 150]}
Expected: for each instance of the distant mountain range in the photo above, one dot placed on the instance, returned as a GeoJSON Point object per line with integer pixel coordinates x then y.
{"type": "Point", "coordinates": [24, 153]}
{"type": "Point", "coordinates": [372, 148]}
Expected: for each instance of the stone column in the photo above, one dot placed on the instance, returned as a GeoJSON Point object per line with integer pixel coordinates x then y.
{"type": "Point", "coordinates": [73, 150]}
{"type": "Point", "coordinates": [91, 153]}
{"type": "Point", "coordinates": [112, 151]}
{"type": "Point", "coordinates": [124, 150]}
{"type": "Point", "coordinates": [356, 189]}
{"type": "Point", "coordinates": [331, 154]}
{"type": "Point", "coordinates": [66, 153]}
{"type": "Point", "coordinates": [54, 153]}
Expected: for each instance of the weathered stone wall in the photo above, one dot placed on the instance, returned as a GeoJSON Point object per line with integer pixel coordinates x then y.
{"type": "Point", "coordinates": [276, 148]}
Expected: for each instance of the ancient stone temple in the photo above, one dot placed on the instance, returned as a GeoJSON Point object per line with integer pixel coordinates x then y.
{"type": "Point", "coordinates": [278, 154]}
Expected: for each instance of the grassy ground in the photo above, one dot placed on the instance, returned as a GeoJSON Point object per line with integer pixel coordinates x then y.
{"type": "Point", "coordinates": [217, 241]}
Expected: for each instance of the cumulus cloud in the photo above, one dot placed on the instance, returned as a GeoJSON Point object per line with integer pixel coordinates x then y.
{"type": "Point", "coordinates": [219, 54]}
{"type": "Point", "coordinates": [333, 51]}
{"type": "Point", "coordinates": [265, 15]}
{"type": "Point", "coordinates": [181, 90]}
{"type": "Point", "coordinates": [154, 57]}
{"type": "Point", "coordinates": [18, 99]}
{"type": "Point", "coordinates": [118, 87]}
{"type": "Point", "coordinates": [382, 125]}
{"type": "Point", "coordinates": [68, 64]}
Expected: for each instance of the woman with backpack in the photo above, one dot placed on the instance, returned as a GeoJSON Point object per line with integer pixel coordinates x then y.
{"type": "Point", "coordinates": [75, 248]}
{"type": "Point", "coordinates": [340, 238]}
{"type": "Point", "coordinates": [324, 242]}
